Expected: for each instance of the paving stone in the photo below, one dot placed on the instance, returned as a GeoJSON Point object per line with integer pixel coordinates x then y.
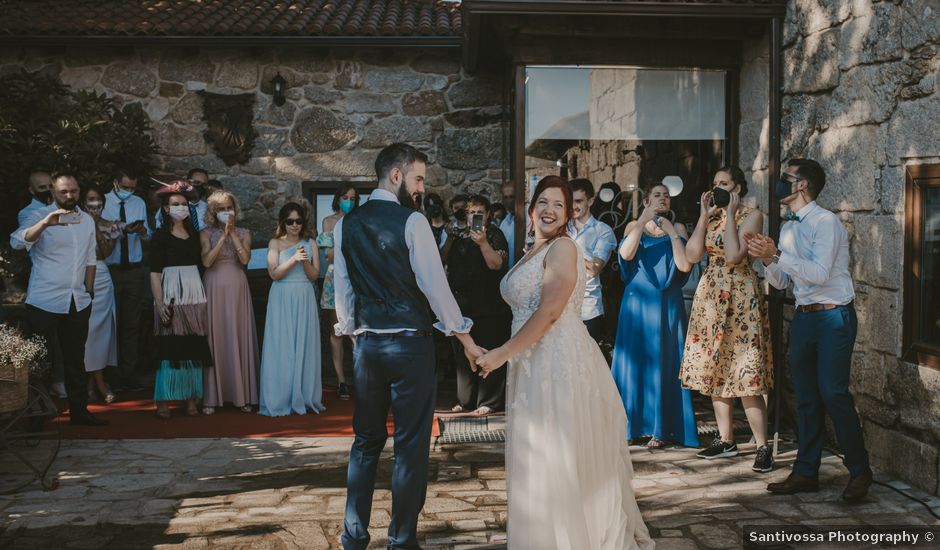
{"type": "Point", "coordinates": [671, 533]}
{"type": "Point", "coordinates": [715, 536]}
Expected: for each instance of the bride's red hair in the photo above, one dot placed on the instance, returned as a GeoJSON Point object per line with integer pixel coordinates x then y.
{"type": "Point", "coordinates": [555, 182]}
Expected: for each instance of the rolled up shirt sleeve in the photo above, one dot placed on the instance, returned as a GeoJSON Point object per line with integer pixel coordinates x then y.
{"type": "Point", "coordinates": [342, 288]}
{"type": "Point", "coordinates": [18, 238]}
{"type": "Point", "coordinates": [776, 276]}
{"type": "Point", "coordinates": [605, 244]}
{"type": "Point", "coordinates": [430, 276]}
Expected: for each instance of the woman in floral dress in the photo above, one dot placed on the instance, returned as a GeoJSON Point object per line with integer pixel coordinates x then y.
{"type": "Point", "coordinates": [727, 349]}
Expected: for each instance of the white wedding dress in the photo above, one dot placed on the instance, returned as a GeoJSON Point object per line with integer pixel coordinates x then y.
{"type": "Point", "coordinates": [568, 465]}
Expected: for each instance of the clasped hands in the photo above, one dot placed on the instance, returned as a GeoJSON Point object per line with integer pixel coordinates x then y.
{"type": "Point", "coordinates": [760, 246]}
{"type": "Point", "coordinates": [483, 361]}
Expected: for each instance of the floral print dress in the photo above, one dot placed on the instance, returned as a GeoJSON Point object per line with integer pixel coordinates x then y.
{"type": "Point", "coordinates": [727, 347]}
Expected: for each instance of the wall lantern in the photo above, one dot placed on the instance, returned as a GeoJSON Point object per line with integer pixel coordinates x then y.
{"type": "Point", "coordinates": [278, 87]}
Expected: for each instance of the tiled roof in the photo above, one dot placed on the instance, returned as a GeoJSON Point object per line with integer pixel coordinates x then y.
{"type": "Point", "coordinates": [236, 18]}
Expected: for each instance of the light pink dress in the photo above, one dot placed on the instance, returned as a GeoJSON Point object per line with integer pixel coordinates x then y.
{"type": "Point", "coordinates": [233, 337]}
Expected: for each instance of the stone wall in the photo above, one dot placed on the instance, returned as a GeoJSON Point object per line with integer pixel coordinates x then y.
{"type": "Point", "coordinates": [342, 107]}
{"type": "Point", "coordinates": [862, 96]}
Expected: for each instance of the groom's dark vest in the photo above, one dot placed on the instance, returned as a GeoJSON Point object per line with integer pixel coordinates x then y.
{"type": "Point", "coordinates": [379, 267]}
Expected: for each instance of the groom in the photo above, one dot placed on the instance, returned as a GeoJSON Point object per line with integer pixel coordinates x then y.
{"type": "Point", "coordinates": [387, 271]}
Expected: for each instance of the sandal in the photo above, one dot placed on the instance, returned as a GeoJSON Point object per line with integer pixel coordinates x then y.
{"type": "Point", "coordinates": [655, 444]}
{"type": "Point", "coordinates": [109, 398]}
{"type": "Point", "coordinates": [457, 409]}
{"type": "Point", "coordinates": [246, 409]}
{"type": "Point", "coordinates": [192, 411]}
{"type": "Point", "coordinates": [208, 410]}
{"type": "Point", "coordinates": [483, 411]}
{"type": "Point", "coordinates": [163, 413]}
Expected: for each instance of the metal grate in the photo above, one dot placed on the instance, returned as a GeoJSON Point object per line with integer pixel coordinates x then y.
{"type": "Point", "coordinates": [472, 430]}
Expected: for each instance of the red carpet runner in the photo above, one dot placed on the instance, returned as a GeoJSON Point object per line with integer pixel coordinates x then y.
{"type": "Point", "coordinates": [132, 417]}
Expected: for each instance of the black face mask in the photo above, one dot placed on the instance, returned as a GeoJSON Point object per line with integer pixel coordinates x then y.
{"type": "Point", "coordinates": [435, 211]}
{"type": "Point", "coordinates": [44, 197]}
{"type": "Point", "coordinates": [720, 197]}
{"type": "Point", "coordinates": [460, 215]}
{"type": "Point", "coordinates": [783, 189]}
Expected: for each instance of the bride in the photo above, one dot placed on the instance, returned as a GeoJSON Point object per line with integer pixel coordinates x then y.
{"type": "Point", "coordinates": [568, 466]}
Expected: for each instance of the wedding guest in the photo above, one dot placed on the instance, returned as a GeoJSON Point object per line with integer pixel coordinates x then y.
{"type": "Point", "coordinates": [180, 313]}
{"type": "Point", "coordinates": [128, 273]}
{"type": "Point", "coordinates": [345, 200]}
{"type": "Point", "coordinates": [813, 254]}
{"type": "Point", "coordinates": [101, 344]}
{"type": "Point", "coordinates": [651, 331]}
{"type": "Point", "coordinates": [476, 263]}
{"type": "Point", "coordinates": [508, 225]}
{"type": "Point", "coordinates": [60, 240]}
{"type": "Point", "coordinates": [434, 208]}
{"type": "Point", "coordinates": [233, 339]}
{"type": "Point", "coordinates": [458, 211]}
{"type": "Point", "coordinates": [211, 187]}
{"type": "Point", "coordinates": [199, 179]}
{"type": "Point", "coordinates": [290, 362]}
{"type": "Point", "coordinates": [597, 240]}
{"type": "Point", "coordinates": [497, 213]}
{"type": "Point", "coordinates": [40, 187]}
{"type": "Point", "coordinates": [727, 349]}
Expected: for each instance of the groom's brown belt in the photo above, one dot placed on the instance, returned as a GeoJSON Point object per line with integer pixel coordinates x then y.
{"type": "Point", "coordinates": [405, 333]}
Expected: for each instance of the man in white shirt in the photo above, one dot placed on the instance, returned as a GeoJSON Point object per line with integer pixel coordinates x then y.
{"type": "Point", "coordinates": [598, 241]}
{"type": "Point", "coordinates": [508, 225]}
{"type": "Point", "coordinates": [388, 278]}
{"type": "Point", "coordinates": [130, 277]}
{"type": "Point", "coordinates": [40, 187]}
{"type": "Point", "coordinates": [813, 254]}
{"type": "Point", "coordinates": [61, 241]}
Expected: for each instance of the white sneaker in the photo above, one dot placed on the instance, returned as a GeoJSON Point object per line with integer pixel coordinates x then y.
{"type": "Point", "coordinates": [58, 389]}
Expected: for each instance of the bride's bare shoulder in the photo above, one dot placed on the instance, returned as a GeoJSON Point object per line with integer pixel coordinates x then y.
{"type": "Point", "coordinates": [563, 250]}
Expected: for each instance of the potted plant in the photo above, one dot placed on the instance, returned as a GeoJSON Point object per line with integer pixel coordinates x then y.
{"type": "Point", "coordinates": [19, 356]}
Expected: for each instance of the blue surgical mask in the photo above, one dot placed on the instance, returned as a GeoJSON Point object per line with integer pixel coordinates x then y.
{"type": "Point", "coordinates": [346, 205]}
{"type": "Point", "coordinates": [783, 189]}
{"type": "Point", "coordinates": [122, 194]}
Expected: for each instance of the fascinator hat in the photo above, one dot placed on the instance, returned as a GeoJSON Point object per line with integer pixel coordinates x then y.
{"type": "Point", "coordinates": [177, 187]}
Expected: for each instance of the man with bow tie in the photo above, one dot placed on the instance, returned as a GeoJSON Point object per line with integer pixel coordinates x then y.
{"type": "Point", "coordinates": [813, 254]}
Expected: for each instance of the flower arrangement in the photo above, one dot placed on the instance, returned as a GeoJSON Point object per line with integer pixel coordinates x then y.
{"type": "Point", "coordinates": [17, 352]}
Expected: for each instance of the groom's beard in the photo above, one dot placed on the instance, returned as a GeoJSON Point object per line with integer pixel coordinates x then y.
{"type": "Point", "coordinates": [405, 198]}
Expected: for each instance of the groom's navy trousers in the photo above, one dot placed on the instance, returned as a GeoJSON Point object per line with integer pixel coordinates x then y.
{"type": "Point", "coordinates": [397, 371]}
{"type": "Point", "coordinates": [821, 345]}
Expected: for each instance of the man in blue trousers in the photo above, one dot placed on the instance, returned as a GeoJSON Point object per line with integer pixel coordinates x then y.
{"type": "Point", "coordinates": [813, 254]}
{"type": "Point", "coordinates": [387, 272]}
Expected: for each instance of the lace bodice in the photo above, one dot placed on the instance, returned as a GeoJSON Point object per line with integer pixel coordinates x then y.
{"type": "Point", "coordinates": [228, 253]}
{"type": "Point", "coordinates": [521, 288]}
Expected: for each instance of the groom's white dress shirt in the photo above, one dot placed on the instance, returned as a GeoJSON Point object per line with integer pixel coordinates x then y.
{"type": "Point", "coordinates": [428, 270]}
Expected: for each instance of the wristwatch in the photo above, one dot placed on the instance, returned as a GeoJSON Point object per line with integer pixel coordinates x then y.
{"type": "Point", "coordinates": [775, 257]}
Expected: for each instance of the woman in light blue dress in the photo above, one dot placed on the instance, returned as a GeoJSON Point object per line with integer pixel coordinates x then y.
{"type": "Point", "coordinates": [652, 326]}
{"type": "Point", "coordinates": [290, 361]}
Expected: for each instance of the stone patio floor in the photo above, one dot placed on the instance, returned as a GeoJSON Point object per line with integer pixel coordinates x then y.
{"type": "Point", "coordinates": [289, 493]}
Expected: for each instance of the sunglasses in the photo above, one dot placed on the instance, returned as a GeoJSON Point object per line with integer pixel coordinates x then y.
{"type": "Point", "coordinates": [290, 221]}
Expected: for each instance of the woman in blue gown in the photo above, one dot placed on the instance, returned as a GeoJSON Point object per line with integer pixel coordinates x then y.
{"type": "Point", "coordinates": [290, 360]}
{"type": "Point", "coordinates": [652, 325]}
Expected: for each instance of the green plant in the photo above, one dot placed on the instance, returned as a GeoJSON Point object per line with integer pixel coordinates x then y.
{"type": "Point", "coordinates": [43, 123]}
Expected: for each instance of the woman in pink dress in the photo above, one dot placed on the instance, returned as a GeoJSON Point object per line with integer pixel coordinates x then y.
{"type": "Point", "coordinates": [233, 338]}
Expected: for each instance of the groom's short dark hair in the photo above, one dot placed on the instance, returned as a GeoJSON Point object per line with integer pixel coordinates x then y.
{"type": "Point", "coordinates": [397, 155]}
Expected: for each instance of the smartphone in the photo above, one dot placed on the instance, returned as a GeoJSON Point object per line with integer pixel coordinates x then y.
{"type": "Point", "coordinates": [476, 222]}
{"type": "Point", "coordinates": [70, 218]}
{"type": "Point", "coordinates": [134, 226]}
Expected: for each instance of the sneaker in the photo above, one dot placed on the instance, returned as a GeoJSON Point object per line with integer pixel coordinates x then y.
{"type": "Point", "coordinates": [718, 449]}
{"type": "Point", "coordinates": [344, 391]}
{"type": "Point", "coordinates": [58, 389]}
{"type": "Point", "coordinates": [764, 461]}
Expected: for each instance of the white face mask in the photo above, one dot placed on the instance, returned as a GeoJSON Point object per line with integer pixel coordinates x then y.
{"type": "Point", "coordinates": [93, 206]}
{"type": "Point", "coordinates": [223, 217]}
{"type": "Point", "coordinates": [179, 211]}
